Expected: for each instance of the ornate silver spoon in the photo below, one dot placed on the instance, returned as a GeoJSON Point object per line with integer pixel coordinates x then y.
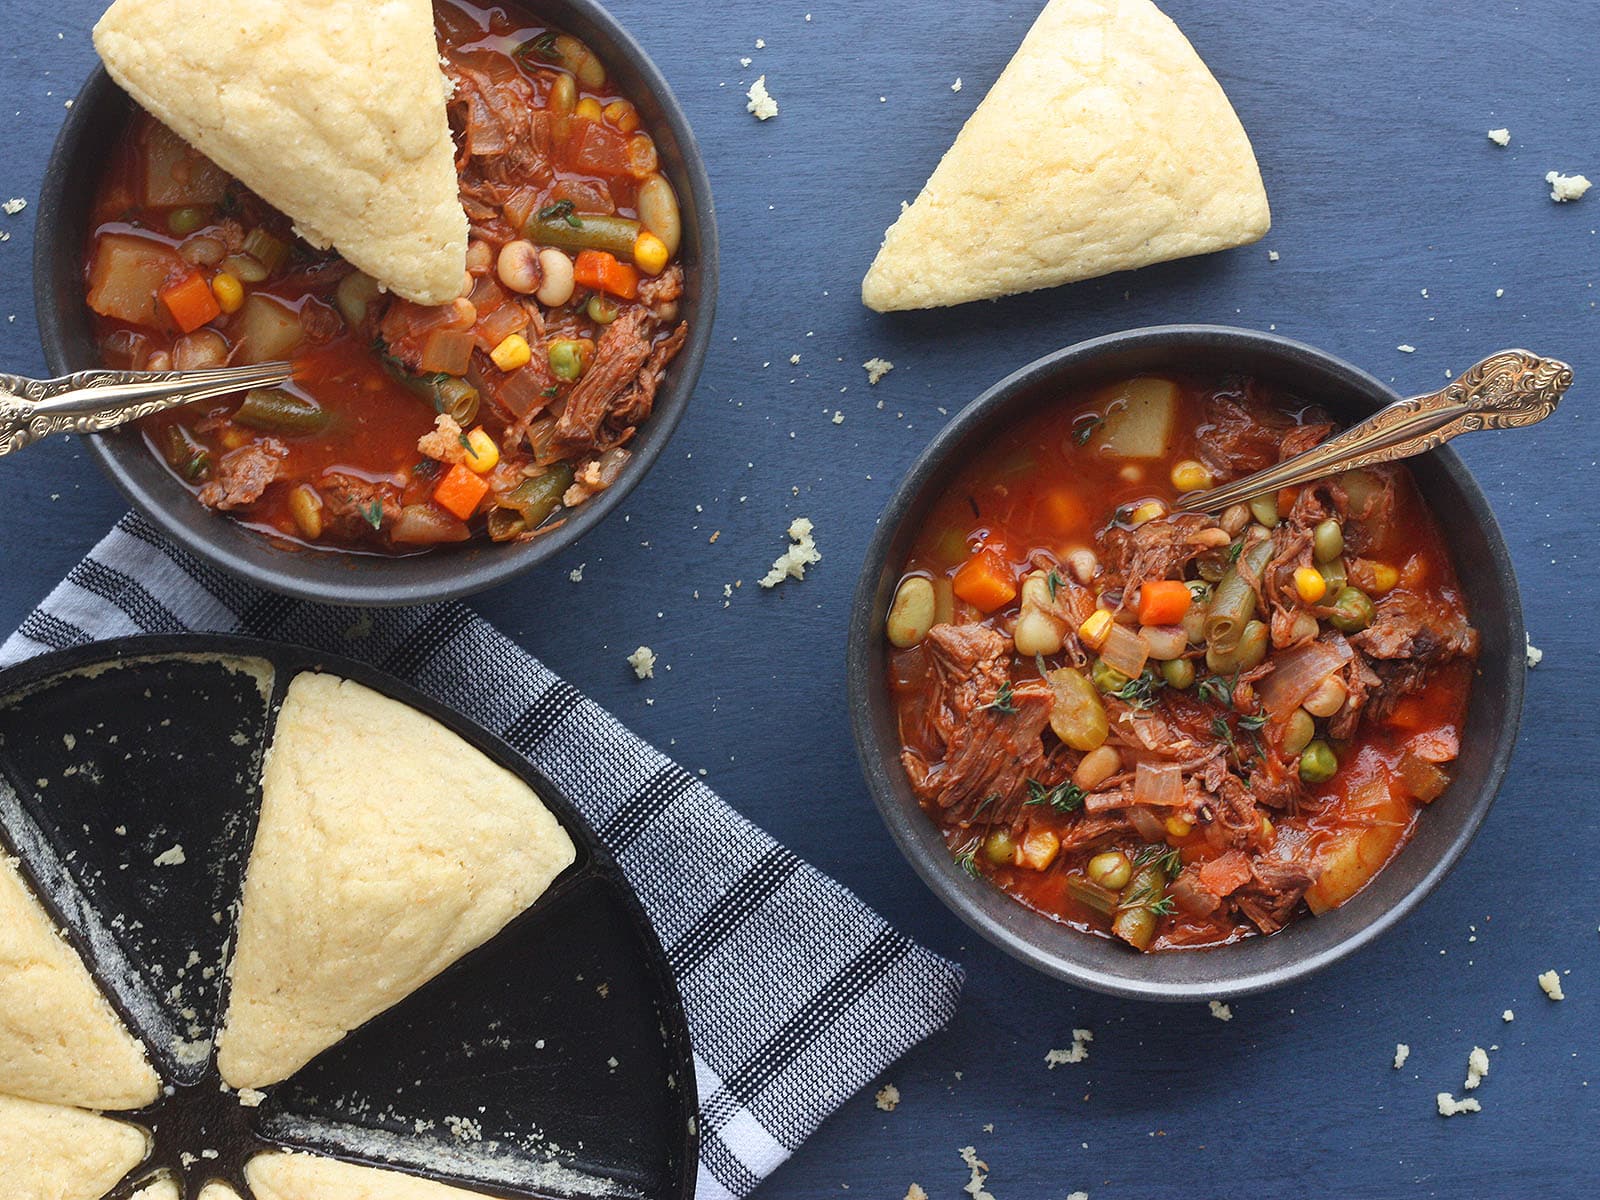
{"type": "Point", "coordinates": [94, 401]}
{"type": "Point", "coordinates": [1507, 390]}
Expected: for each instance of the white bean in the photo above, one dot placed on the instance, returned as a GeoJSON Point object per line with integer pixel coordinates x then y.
{"type": "Point", "coordinates": [200, 351]}
{"type": "Point", "coordinates": [658, 211]}
{"type": "Point", "coordinates": [911, 614]}
{"type": "Point", "coordinates": [518, 266]}
{"type": "Point", "coordinates": [480, 256]}
{"type": "Point", "coordinates": [1165, 642]}
{"type": "Point", "coordinates": [557, 286]}
{"type": "Point", "coordinates": [1099, 765]}
{"type": "Point", "coordinates": [1037, 632]}
{"type": "Point", "coordinates": [1083, 564]}
{"type": "Point", "coordinates": [1327, 699]}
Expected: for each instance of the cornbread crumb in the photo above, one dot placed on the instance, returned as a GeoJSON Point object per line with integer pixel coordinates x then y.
{"type": "Point", "coordinates": [980, 1172]}
{"type": "Point", "coordinates": [887, 1098]}
{"type": "Point", "coordinates": [13, 206]}
{"type": "Point", "coordinates": [761, 102]}
{"type": "Point", "coordinates": [915, 1192]}
{"type": "Point", "coordinates": [1076, 1053]}
{"type": "Point", "coordinates": [1500, 137]}
{"type": "Point", "coordinates": [1477, 1068]}
{"type": "Point", "coordinates": [1508, 1015]}
{"type": "Point", "coordinates": [792, 563]}
{"type": "Point", "coordinates": [1535, 655]}
{"type": "Point", "coordinates": [956, 86]}
{"type": "Point", "coordinates": [1401, 1053]}
{"type": "Point", "coordinates": [877, 368]}
{"type": "Point", "coordinates": [1272, 256]}
{"type": "Point", "coordinates": [173, 856]}
{"type": "Point", "coordinates": [1221, 1011]}
{"type": "Point", "coordinates": [1551, 983]}
{"type": "Point", "coordinates": [1449, 1106]}
{"type": "Point", "coordinates": [1566, 187]}
{"type": "Point", "coordinates": [643, 662]}
{"type": "Point", "coordinates": [576, 574]}
{"type": "Point", "coordinates": [1406, 348]}
{"type": "Point", "coordinates": [250, 1098]}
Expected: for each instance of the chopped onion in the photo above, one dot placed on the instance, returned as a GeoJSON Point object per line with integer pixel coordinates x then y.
{"type": "Point", "coordinates": [1158, 785]}
{"type": "Point", "coordinates": [447, 351]}
{"type": "Point", "coordinates": [1299, 672]}
{"type": "Point", "coordinates": [1125, 651]}
{"type": "Point", "coordinates": [1149, 826]}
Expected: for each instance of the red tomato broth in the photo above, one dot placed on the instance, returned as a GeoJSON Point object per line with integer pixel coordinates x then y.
{"type": "Point", "coordinates": [1035, 490]}
{"type": "Point", "coordinates": [376, 420]}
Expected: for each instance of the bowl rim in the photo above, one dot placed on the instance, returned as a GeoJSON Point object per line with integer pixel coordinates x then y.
{"type": "Point", "coordinates": [327, 576]}
{"type": "Point", "coordinates": [940, 874]}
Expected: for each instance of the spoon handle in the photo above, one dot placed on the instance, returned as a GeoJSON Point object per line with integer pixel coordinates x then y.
{"type": "Point", "coordinates": [1507, 390]}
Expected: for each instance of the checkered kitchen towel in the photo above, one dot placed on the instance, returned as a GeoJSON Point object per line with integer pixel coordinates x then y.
{"type": "Point", "coordinates": [797, 993]}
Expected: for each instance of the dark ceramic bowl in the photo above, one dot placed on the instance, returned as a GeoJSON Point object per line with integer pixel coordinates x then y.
{"type": "Point", "coordinates": [1307, 945]}
{"type": "Point", "coordinates": [97, 119]}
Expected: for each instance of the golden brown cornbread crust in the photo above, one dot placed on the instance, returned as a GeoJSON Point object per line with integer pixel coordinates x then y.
{"type": "Point", "coordinates": [333, 111]}
{"type": "Point", "coordinates": [1105, 145]}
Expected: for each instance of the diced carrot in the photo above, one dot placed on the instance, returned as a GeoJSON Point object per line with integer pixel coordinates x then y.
{"type": "Point", "coordinates": [1410, 714]}
{"type": "Point", "coordinates": [986, 581]}
{"type": "Point", "coordinates": [1065, 512]}
{"type": "Point", "coordinates": [460, 491]}
{"type": "Point", "coordinates": [1286, 498]}
{"type": "Point", "coordinates": [191, 302]}
{"type": "Point", "coordinates": [1163, 601]}
{"type": "Point", "coordinates": [602, 271]}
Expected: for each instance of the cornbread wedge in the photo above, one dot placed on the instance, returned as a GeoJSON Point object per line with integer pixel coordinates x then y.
{"type": "Point", "coordinates": [386, 849]}
{"type": "Point", "coordinates": [48, 1152]}
{"type": "Point", "coordinates": [333, 111]}
{"type": "Point", "coordinates": [60, 1042]}
{"type": "Point", "coordinates": [1105, 145]}
{"type": "Point", "coordinates": [304, 1177]}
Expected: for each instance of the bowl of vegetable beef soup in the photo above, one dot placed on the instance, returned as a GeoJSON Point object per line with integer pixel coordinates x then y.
{"type": "Point", "coordinates": [1169, 754]}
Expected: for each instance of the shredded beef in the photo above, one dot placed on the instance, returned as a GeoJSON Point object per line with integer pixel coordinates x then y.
{"type": "Point", "coordinates": [1158, 549]}
{"type": "Point", "coordinates": [1202, 887]}
{"type": "Point", "coordinates": [1275, 889]}
{"type": "Point", "coordinates": [243, 475]}
{"type": "Point", "coordinates": [351, 504]}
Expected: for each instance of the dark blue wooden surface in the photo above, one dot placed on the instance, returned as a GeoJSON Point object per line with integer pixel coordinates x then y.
{"type": "Point", "coordinates": [1397, 222]}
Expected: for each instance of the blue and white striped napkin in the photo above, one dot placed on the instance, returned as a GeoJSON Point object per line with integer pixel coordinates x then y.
{"type": "Point", "coordinates": [797, 993]}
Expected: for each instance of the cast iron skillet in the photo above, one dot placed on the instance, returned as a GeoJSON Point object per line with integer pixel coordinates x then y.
{"type": "Point", "coordinates": [564, 1030]}
{"type": "Point", "coordinates": [1444, 830]}
{"type": "Point", "coordinates": [97, 119]}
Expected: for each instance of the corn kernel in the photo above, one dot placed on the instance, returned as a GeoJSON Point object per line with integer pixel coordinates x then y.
{"type": "Point", "coordinates": [623, 116]}
{"type": "Point", "coordinates": [511, 353]}
{"type": "Point", "coordinates": [589, 108]}
{"type": "Point", "coordinates": [482, 453]}
{"type": "Point", "coordinates": [1179, 826]}
{"type": "Point", "coordinates": [228, 291]}
{"type": "Point", "coordinates": [650, 253]}
{"type": "Point", "coordinates": [233, 437]}
{"type": "Point", "coordinates": [1148, 511]}
{"type": "Point", "coordinates": [1094, 631]}
{"type": "Point", "coordinates": [1309, 584]}
{"type": "Point", "coordinates": [1190, 476]}
{"type": "Point", "coordinates": [1384, 577]}
{"type": "Point", "coordinates": [1268, 833]}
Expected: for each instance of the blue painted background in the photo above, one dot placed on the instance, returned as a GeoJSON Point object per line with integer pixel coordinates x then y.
{"type": "Point", "coordinates": [1396, 222]}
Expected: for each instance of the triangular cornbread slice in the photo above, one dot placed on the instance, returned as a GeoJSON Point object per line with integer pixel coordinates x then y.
{"type": "Point", "coordinates": [1105, 145]}
{"type": "Point", "coordinates": [387, 848]}
{"type": "Point", "coordinates": [60, 1041]}
{"type": "Point", "coordinates": [51, 1152]}
{"type": "Point", "coordinates": [304, 1177]}
{"type": "Point", "coordinates": [333, 111]}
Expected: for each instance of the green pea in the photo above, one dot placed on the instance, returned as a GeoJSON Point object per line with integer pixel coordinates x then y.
{"type": "Point", "coordinates": [1178, 672]}
{"type": "Point", "coordinates": [1106, 677]}
{"type": "Point", "coordinates": [1352, 610]}
{"type": "Point", "coordinates": [1297, 734]}
{"type": "Point", "coordinates": [1318, 763]}
{"type": "Point", "coordinates": [999, 849]}
{"type": "Point", "coordinates": [184, 221]}
{"type": "Point", "coordinates": [565, 361]}
{"type": "Point", "coordinates": [1264, 509]}
{"type": "Point", "coordinates": [1327, 540]}
{"type": "Point", "coordinates": [602, 309]}
{"type": "Point", "coordinates": [1253, 644]}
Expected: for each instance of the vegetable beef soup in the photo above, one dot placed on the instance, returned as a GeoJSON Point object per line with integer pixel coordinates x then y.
{"type": "Point", "coordinates": [1167, 727]}
{"type": "Point", "coordinates": [409, 426]}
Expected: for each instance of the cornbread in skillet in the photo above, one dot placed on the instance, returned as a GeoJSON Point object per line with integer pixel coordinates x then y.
{"type": "Point", "coordinates": [49, 1152]}
{"type": "Point", "coordinates": [332, 111]}
{"type": "Point", "coordinates": [387, 848]}
{"type": "Point", "coordinates": [303, 1177]}
{"type": "Point", "coordinates": [60, 1042]}
{"type": "Point", "coordinates": [1105, 145]}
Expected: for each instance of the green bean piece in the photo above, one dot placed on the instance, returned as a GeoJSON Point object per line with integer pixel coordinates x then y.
{"type": "Point", "coordinates": [1334, 574]}
{"type": "Point", "coordinates": [999, 848]}
{"type": "Point", "coordinates": [1136, 919]}
{"type": "Point", "coordinates": [184, 221]}
{"type": "Point", "coordinates": [1253, 645]}
{"type": "Point", "coordinates": [1178, 672]}
{"type": "Point", "coordinates": [185, 454]}
{"type": "Point", "coordinates": [271, 252]}
{"type": "Point", "coordinates": [582, 231]}
{"type": "Point", "coordinates": [1298, 732]}
{"type": "Point", "coordinates": [1327, 540]}
{"type": "Point", "coordinates": [1318, 763]}
{"type": "Point", "coordinates": [1106, 677]}
{"type": "Point", "coordinates": [1234, 601]}
{"type": "Point", "coordinates": [354, 296]}
{"type": "Point", "coordinates": [273, 410]}
{"type": "Point", "coordinates": [1352, 610]}
{"type": "Point", "coordinates": [1086, 891]}
{"type": "Point", "coordinates": [1264, 508]}
{"type": "Point", "coordinates": [525, 507]}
